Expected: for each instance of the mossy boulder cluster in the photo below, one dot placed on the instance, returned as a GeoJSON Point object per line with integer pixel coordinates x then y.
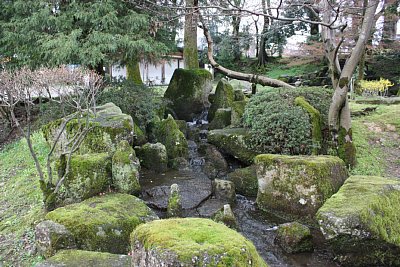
{"type": "Point", "coordinates": [191, 242]}
{"type": "Point", "coordinates": [153, 156]}
{"type": "Point", "coordinates": [103, 223]}
{"type": "Point", "coordinates": [362, 221]}
{"type": "Point", "coordinates": [107, 127]}
{"type": "Point", "coordinates": [227, 106]}
{"type": "Point", "coordinates": [188, 92]}
{"type": "Point", "coordinates": [233, 142]}
{"type": "Point", "coordinates": [297, 185]}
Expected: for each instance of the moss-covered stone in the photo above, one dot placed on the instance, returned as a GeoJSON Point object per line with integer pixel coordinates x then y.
{"type": "Point", "coordinates": [174, 208]}
{"type": "Point", "coordinates": [245, 180]}
{"type": "Point", "coordinates": [227, 217]}
{"type": "Point", "coordinates": [237, 113]}
{"type": "Point", "coordinates": [103, 223]}
{"type": "Point", "coordinates": [297, 185]}
{"type": "Point", "coordinates": [107, 126]}
{"type": "Point", "coordinates": [316, 121]}
{"type": "Point", "coordinates": [79, 258]}
{"type": "Point", "coordinates": [233, 142]}
{"type": "Point", "coordinates": [294, 237]}
{"type": "Point", "coordinates": [191, 242]}
{"type": "Point", "coordinates": [182, 125]}
{"type": "Point", "coordinates": [168, 134]}
{"type": "Point", "coordinates": [223, 98]}
{"type": "Point", "coordinates": [188, 92]}
{"type": "Point", "coordinates": [222, 119]}
{"type": "Point", "coordinates": [51, 237]}
{"type": "Point", "coordinates": [89, 175]}
{"type": "Point", "coordinates": [362, 221]}
{"type": "Point", "coordinates": [215, 164]}
{"type": "Point", "coordinates": [224, 190]}
{"type": "Point", "coordinates": [239, 95]}
{"type": "Point", "coordinates": [153, 156]}
{"type": "Point", "coordinates": [125, 169]}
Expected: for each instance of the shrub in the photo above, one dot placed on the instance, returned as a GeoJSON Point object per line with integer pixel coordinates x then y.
{"type": "Point", "coordinates": [139, 101]}
{"type": "Point", "coordinates": [374, 88]}
{"type": "Point", "coordinates": [278, 125]}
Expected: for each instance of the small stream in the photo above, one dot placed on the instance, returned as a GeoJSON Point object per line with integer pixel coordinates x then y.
{"type": "Point", "coordinates": [257, 226]}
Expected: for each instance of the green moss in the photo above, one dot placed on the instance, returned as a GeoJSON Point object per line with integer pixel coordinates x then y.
{"type": "Point", "coordinates": [182, 125]}
{"type": "Point", "coordinates": [75, 258]}
{"type": "Point", "coordinates": [153, 157]}
{"type": "Point", "coordinates": [174, 208]}
{"type": "Point", "coordinates": [297, 185]}
{"type": "Point", "coordinates": [195, 241]}
{"type": "Point", "coordinates": [364, 213]}
{"type": "Point", "coordinates": [245, 180]}
{"type": "Point", "coordinates": [89, 175]}
{"type": "Point", "coordinates": [133, 72]}
{"type": "Point", "coordinates": [222, 119]}
{"type": "Point", "coordinates": [233, 142]}
{"type": "Point", "coordinates": [238, 108]}
{"type": "Point", "coordinates": [223, 98]}
{"type": "Point", "coordinates": [168, 134]}
{"type": "Point", "coordinates": [316, 121]}
{"type": "Point", "coordinates": [125, 169]}
{"type": "Point", "coordinates": [188, 92]}
{"type": "Point", "coordinates": [294, 237]}
{"type": "Point", "coordinates": [103, 223]}
{"type": "Point", "coordinates": [346, 147]}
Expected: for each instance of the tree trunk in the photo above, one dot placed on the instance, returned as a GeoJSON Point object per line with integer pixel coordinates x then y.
{"type": "Point", "coordinates": [133, 72]}
{"type": "Point", "coordinates": [339, 111]}
{"type": "Point", "coordinates": [253, 78]}
{"type": "Point", "coordinates": [190, 35]}
{"type": "Point", "coordinates": [262, 54]}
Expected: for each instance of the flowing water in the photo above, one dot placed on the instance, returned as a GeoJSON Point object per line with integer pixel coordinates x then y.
{"type": "Point", "coordinates": [257, 226]}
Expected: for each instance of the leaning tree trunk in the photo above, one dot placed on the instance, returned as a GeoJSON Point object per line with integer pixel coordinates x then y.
{"type": "Point", "coordinates": [190, 55]}
{"type": "Point", "coordinates": [339, 111]}
{"type": "Point", "coordinates": [133, 72]}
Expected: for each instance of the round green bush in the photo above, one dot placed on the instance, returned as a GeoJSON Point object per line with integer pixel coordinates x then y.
{"type": "Point", "coordinates": [277, 125]}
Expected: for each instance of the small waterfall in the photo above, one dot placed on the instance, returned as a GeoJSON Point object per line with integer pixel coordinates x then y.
{"type": "Point", "coordinates": [201, 119]}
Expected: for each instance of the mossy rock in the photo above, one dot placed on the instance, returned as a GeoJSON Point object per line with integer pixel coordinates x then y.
{"type": "Point", "coordinates": [79, 258]}
{"type": "Point", "coordinates": [168, 134]}
{"type": "Point", "coordinates": [239, 95]}
{"type": "Point", "coordinates": [223, 98]}
{"type": "Point", "coordinates": [107, 126]}
{"type": "Point", "coordinates": [125, 169]}
{"type": "Point", "coordinates": [191, 242]}
{"type": "Point", "coordinates": [238, 108]}
{"type": "Point", "coordinates": [153, 157]}
{"type": "Point", "coordinates": [222, 119]}
{"type": "Point", "coordinates": [188, 91]}
{"type": "Point", "coordinates": [233, 142]}
{"type": "Point", "coordinates": [89, 175]}
{"type": "Point", "coordinates": [51, 237]}
{"type": "Point", "coordinates": [215, 164]}
{"type": "Point", "coordinates": [294, 237]}
{"type": "Point", "coordinates": [362, 221]}
{"type": "Point", "coordinates": [245, 180]}
{"type": "Point", "coordinates": [297, 185]}
{"type": "Point", "coordinates": [103, 223]}
{"type": "Point", "coordinates": [182, 125]}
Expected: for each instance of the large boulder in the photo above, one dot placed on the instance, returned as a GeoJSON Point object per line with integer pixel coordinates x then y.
{"type": "Point", "coordinates": [223, 98]}
{"type": "Point", "coordinates": [51, 237]}
{"type": "Point", "coordinates": [362, 221]}
{"type": "Point", "coordinates": [222, 119]}
{"type": "Point", "coordinates": [188, 92]}
{"type": "Point", "coordinates": [125, 169]}
{"type": "Point", "coordinates": [153, 156]}
{"type": "Point", "coordinates": [107, 127]}
{"type": "Point", "coordinates": [103, 223]}
{"type": "Point", "coordinates": [238, 108]}
{"type": "Point", "coordinates": [79, 258]}
{"type": "Point", "coordinates": [245, 180]}
{"type": "Point", "coordinates": [233, 142]}
{"type": "Point", "coordinates": [89, 175]}
{"type": "Point", "coordinates": [191, 242]}
{"type": "Point", "coordinates": [168, 134]}
{"type": "Point", "coordinates": [297, 185]}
